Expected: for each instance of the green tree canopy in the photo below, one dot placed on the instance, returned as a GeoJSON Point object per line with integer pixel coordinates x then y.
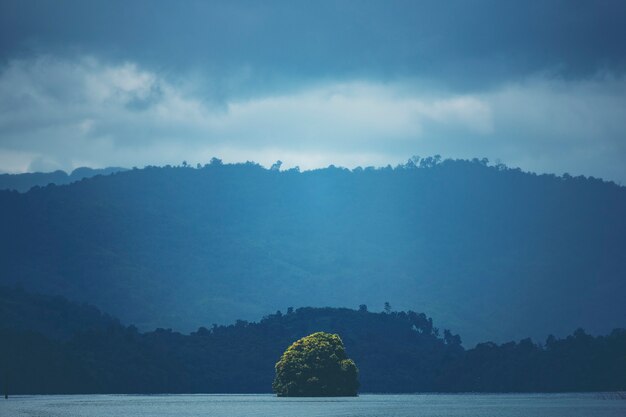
{"type": "Point", "coordinates": [316, 366]}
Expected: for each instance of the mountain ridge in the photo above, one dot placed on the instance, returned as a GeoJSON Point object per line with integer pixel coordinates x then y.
{"type": "Point", "coordinates": [494, 252]}
{"type": "Point", "coordinates": [24, 182]}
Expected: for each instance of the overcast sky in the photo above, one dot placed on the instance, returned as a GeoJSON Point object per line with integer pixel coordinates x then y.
{"type": "Point", "coordinates": [536, 84]}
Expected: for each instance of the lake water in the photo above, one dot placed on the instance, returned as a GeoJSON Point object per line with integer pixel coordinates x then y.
{"type": "Point", "coordinates": [366, 405]}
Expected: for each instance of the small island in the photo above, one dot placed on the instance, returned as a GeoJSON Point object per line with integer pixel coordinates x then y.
{"type": "Point", "coordinates": [316, 366]}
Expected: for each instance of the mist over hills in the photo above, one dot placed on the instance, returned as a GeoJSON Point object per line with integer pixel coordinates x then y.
{"type": "Point", "coordinates": [493, 253]}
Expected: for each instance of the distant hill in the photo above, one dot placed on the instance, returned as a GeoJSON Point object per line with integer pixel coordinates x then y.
{"type": "Point", "coordinates": [89, 352]}
{"type": "Point", "coordinates": [24, 182]}
{"type": "Point", "coordinates": [494, 253]}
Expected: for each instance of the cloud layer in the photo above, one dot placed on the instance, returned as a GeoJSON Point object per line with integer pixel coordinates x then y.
{"type": "Point", "coordinates": [64, 113]}
{"type": "Point", "coordinates": [468, 44]}
{"type": "Point", "coordinates": [539, 85]}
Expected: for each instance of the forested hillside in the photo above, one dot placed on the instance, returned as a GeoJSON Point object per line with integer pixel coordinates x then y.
{"type": "Point", "coordinates": [494, 253]}
{"type": "Point", "coordinates": [89, 352]}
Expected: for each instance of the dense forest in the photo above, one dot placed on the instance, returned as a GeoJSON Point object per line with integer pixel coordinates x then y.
{"type": "Point", "coordinates": [51, 345]}
{"type": "Point", "coordinates": [494, 253]}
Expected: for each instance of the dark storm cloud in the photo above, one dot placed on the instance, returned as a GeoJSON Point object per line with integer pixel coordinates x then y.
{"type": "Point", "coordinates": [467, 44]}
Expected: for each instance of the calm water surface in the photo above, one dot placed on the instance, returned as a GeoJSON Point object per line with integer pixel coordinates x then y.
{"type": "Point", "coordinates": [366, 405]}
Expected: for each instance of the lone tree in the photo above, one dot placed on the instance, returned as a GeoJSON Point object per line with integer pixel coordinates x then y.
{"type": "Point", "coordinates": [316, 366]}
